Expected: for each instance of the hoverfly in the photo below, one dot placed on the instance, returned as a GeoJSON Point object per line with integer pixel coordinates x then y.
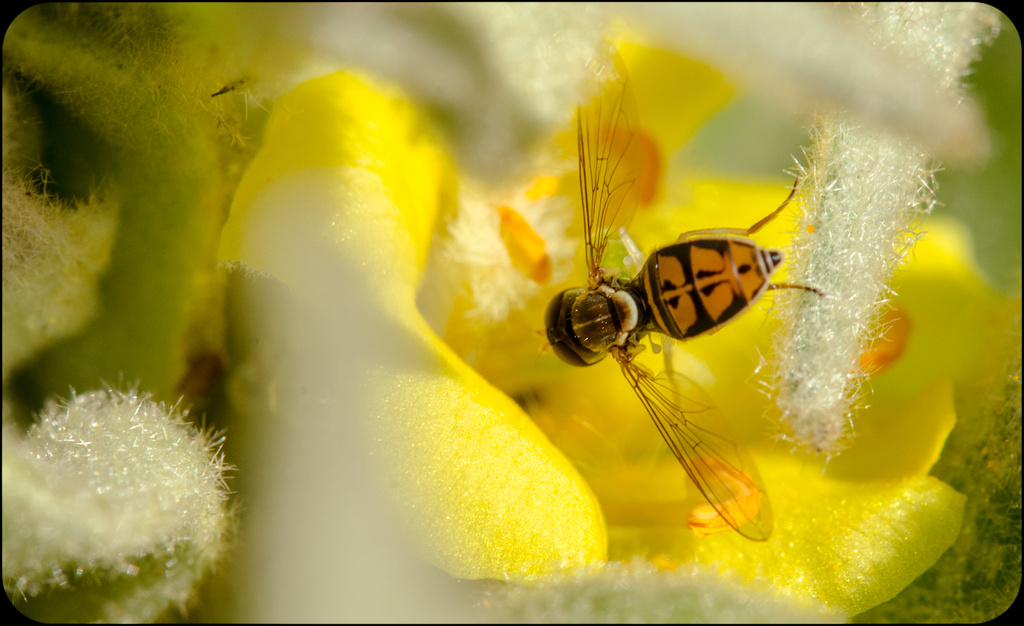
{"type": "Point", "coordinates": [686, 288]}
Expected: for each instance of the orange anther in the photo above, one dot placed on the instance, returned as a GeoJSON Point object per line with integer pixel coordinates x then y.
{"type": "Point", "coordinates": [706, 519]}
{"type": "Point", "coordinates": [887, 349]}
{"type": "Point", "coordinates": [527, 249]}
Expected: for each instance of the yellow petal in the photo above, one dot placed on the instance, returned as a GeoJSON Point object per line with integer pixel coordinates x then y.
{"type": "Point", "coordinates": [954, 314]}
{"type": "Point", "coordinates": [848, 545]}
{"type": "Point", "coordinates": [478, 485]}
{"type": "Point", "coordinates": [856, 545]}
{"type": "Point", "coordinates": [484, 492]}
{"type": "Point", "coordinates": [899, 438]}
{"type": "Point", "coordinates": [336, 122]}
{"type": "Point", "coordinates": [675, 95]}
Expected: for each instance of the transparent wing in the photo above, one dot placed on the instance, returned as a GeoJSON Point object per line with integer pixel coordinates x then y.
{"type": "Point", "coordinates": [610, 157]}
{"type": "Point", "coordinates": [720, 468]}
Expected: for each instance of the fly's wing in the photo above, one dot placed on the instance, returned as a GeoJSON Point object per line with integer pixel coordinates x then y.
{"type": "Point", "coordinates": [610, 156]}
{"type": "Point", "coordinates": [720, 468]}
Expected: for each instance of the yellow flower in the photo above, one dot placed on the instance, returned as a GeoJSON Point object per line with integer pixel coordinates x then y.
{"type": "Point", "coordinates": [358, 430]}
{"type": "Point", "coordinates": [482, 489]}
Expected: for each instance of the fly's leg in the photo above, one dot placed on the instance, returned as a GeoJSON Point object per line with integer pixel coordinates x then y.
{"type": "Point", "coordinates": [758, 226]}
{"type": "Point", "coordinates": [666, 347]}
{"type": "Point", "coordinates": [739, 231]}
{"type": "Point", "coordinates": [790, 286]}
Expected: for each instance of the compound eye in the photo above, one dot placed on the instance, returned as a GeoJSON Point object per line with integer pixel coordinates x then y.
{"type": "Point", "coordinates": [568, 354]}
{"type": "Point", "coordinates": [561, 336]}
{"type": "Point", "coordinates": [559, 311]}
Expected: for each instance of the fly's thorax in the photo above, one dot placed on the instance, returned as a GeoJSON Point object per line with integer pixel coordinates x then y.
{"type": "Point", "coordinates": [696, 286]}
{"type": "Point", "coordinates": [584, 324]}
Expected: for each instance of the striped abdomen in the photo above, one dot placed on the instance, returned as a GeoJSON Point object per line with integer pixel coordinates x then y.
{"type": "Point", "coordinates": [696, 286]}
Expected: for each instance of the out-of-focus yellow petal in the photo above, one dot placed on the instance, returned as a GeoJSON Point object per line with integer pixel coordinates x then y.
{"type": "Point", "coordinates": [478, 484]}
{"type": "Point", "coordinates": [675, 95]}
{"type": "Point", "coordinates": [942, 278]}
{"type": "Point", "coordinates": [336, 122]}
{"type": "Point", "coordinates": [899, 438]}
